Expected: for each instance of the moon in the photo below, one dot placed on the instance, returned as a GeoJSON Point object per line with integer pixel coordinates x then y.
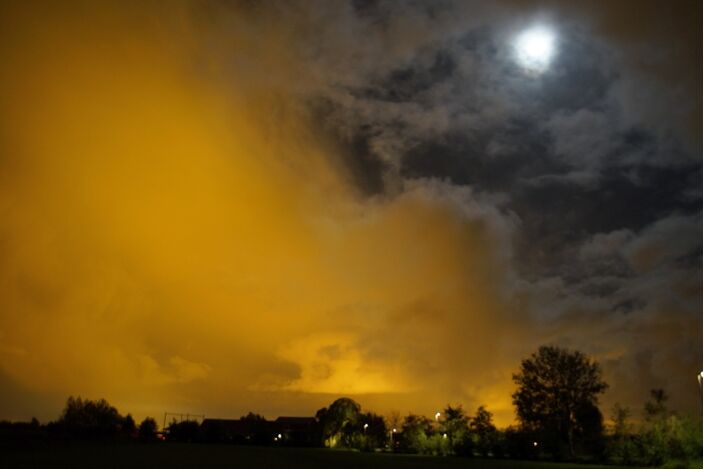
{"type": "Point", "coordinates": [535, 48]}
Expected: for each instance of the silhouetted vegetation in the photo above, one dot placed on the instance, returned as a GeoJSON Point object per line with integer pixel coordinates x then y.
{"type": "Point", "coordinates": [556, 400]}
{"type": "Point", "coordinates": [17, 432]}
{"type": "Point", "coordinates": [484, 435]}
{"type": "Point", "coordinates": [339, 423]}
{"type": "Point", "coordinates": [556, 404]}
{"type": "Point", "coordinates": [259, 432]}
{"type": "Point", "coordinates": [187, 431]}
{"type": "Point", "coordinates": [129, 427]}
{"type": "Point", "coordinates": [84, 418]}
{"type": "Point", "coordinates": [663, 437]}
{"type": "Point", "coordinates": [455, 424]}
{"type": "Point", "coordinates": [370, 433]}
{"type": "Point", "coordinates": [417, 430]}
{"type": "Point", "coordinates": [147, 430]}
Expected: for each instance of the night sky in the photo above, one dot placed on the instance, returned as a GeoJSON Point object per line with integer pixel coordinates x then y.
{"type": "Point", "coordinates": [221, 207]}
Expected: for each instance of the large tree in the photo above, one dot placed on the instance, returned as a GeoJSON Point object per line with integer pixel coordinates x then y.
{"type": "Point", "coordinates": [557, 395]}
{"type": "Point", "coordinates": [339, 422]}
{"type": "Point", "coordinates": [416, 431]}
{"type": "Point", "coordinates": [147, 429]}
{"type": "Point", "coordinates": [87, 418]}
{"type": "Point", "coordinates": [455, 424]}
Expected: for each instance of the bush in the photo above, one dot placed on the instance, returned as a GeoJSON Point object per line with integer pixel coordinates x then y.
{"type": "Point", "coordinates": [672, 439]}
{"type": "Point", "coordinates": [663, 439]}
{"type": "Point", "coordinates": [147, 429]}
{"type": "Point", "coordinates": [436, 445]}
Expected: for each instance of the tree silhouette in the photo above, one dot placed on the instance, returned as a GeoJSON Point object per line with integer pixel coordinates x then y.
{"type": "Point", "coordinates": [557, 396]}
{"type": "Point", "coordinates": [456, 425]}
{"type": "Point", "coordinates": [87, 418]}
{"type": "Point", "coordinates": [416, 432]}
{"type": "Point", "coordinates": [147, 429]}
{"type": "Point", "coordinates": [484, 433]}
{"type": "Point", "coordinates": [339, 422]}
{"type": "Point", "coordinates": [128, 428]}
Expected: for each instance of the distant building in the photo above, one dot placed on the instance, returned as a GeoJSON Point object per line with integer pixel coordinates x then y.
{"type": "Point", "coordinates": [226, 431]}
{"type": "Point", "coordinates": [297, 431]}
{"type": "Point", "coordinates": [294, 431]}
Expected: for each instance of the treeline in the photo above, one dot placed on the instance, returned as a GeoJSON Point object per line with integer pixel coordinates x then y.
{"type": "Point", "coordinates": [84, 419]}
{"type": "Point", "coordinates": [661, 437]}
{"type": "Point", "coordinates": [556, 401]}
{"type": "Point", "coordinates": [450, 432]}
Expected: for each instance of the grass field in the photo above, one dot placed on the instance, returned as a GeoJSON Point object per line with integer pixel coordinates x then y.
{"type": "Point", "coordinates": [177, 456]}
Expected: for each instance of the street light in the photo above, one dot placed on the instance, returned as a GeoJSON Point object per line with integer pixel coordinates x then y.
{"type": "Point", "coordinates": [437, 416]}
{"type": "Point", "coordinates": [366, 425]}
{"type": "Point", "coordinates": [391, 434]}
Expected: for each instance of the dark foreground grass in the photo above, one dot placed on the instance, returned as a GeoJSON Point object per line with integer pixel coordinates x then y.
{"type": "Point", "coordinates": [177, 456]}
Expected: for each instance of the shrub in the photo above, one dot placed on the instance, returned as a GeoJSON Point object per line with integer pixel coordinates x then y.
{"type": "Point", "coordinates": [147, 429]}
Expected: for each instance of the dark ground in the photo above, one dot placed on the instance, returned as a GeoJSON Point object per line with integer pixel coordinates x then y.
{"type": "Point", "coordinates": [176, 456]}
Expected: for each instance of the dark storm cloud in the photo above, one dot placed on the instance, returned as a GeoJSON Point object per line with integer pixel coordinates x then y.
{"type": "Point", "coordinates": [461, 109]}
{"type": "Point", "coordinates": [595, 157]}
{"type": "Point", "coordinates": [364, 168]}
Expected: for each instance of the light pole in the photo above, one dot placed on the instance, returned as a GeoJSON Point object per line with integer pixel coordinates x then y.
{"type": "Point", "coordinates": [437, 416]}
{"type": "Point", "coordinates": [391, 434]}
{"type": "Point", "coordinates": [366, 425]}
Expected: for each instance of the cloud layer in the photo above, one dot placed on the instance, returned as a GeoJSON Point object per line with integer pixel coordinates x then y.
{"type": "Point", "coordinates": [221, 208]}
